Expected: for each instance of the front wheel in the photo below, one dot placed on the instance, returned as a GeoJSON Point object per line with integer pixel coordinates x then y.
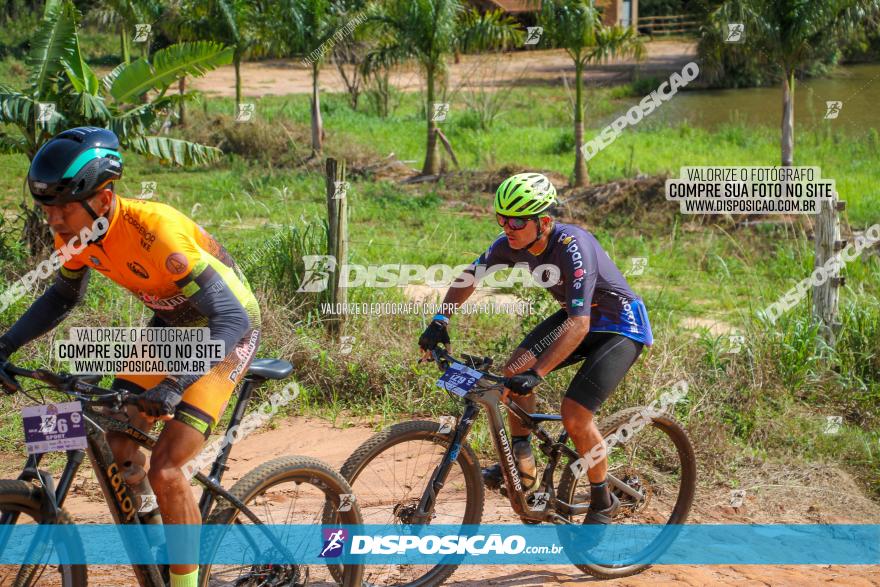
{"type": "Point", "coordinates": [657, 461]}
{"type": "Point", "coordinates": [286, 490]}
{"type": "Point", "coordinates": [390, 472]}
{"type": "Point", "coordinates": [20, 504]}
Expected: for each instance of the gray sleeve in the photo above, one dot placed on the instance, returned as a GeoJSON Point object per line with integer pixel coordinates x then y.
{"type": "Point", "coordinates": [48, 311]}
{"type": "Point", "coordinates": [227, 318]}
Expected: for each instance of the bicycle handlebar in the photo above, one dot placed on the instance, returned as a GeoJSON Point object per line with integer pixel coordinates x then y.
{"type": "Point", "coordinates": [72, 385]}
{"type": "Point", "coordinates": [444, 359]}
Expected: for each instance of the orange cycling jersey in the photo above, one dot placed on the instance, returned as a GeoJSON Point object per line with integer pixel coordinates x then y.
{"type": "Point", "coordinates": [180, 271]}
{"type": "Point", "coordinates": [160, 255]}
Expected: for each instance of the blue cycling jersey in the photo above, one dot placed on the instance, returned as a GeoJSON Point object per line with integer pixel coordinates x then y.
{"type": "Point", "coordinates": [589, 282]}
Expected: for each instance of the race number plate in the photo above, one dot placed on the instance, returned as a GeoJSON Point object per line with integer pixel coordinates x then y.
{"type": "Point", "coordinates": [54, 427]}
{"type": "Point", "coordinates": [458, 379]}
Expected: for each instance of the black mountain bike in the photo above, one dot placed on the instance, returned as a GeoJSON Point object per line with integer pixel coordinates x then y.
{"type": "Point", "coordinates": [422, 472]}
{"type": "Point", "coordinates": [286, 490]}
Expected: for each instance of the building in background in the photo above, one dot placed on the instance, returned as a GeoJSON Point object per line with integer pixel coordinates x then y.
{"type": "Point", "coordinates": [623, 12]}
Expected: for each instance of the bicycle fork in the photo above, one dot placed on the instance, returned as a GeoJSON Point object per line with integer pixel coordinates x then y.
{"type": "Point", "coordinates": [425, 511]}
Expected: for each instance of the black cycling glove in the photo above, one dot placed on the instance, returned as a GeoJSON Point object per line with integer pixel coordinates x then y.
{"type": "Point", "coordinates": [435, 333]}
{"type": "Point", "coordinates": [523, 383]}
{"type": "Point", "coordinates": [162, 399]}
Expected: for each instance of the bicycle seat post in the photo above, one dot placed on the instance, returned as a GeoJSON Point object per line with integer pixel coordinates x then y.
{"type": "Point", "coordinates": [219, 467]}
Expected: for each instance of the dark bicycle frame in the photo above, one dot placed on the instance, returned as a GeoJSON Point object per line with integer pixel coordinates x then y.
{"type": "Point", "coordinates": [117, 493]}
{"type": "Point", "coordinates": [486, 394]}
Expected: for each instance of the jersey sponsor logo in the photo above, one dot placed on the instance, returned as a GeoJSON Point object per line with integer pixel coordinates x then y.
{"type": "Point", "coordinates": [576, 259]}
{"type": "Point", "coordinates": [147, 237]}
{"type": "Point", "coordinates": [577, 302]}
{"type": "Point", "coordinates": [176, 263]}
{"type": "Point", "coordinates": [138, 269]}
{"type": "Point", "coordinates": [244, 353]}
{"type": "Point", "coordinates": [97, 263]}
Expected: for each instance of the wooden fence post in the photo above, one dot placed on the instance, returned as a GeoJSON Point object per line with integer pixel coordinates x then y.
{"type": "Point", "coordinates": [828, 243]}
{"type": "Point", "coordinates": [337, 241]}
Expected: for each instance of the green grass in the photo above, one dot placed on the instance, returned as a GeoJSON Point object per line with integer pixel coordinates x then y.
{"type": "Point", "coordinates": [771, 398]}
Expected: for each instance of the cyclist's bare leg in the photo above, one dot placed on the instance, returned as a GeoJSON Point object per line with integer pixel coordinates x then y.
{"type": "Point", "coordinates": [582, 430]}
{"type": "Point", "coordinates": [124, 448]}
{"type": "Point", "coordinates": [178, 444]}
{"type": "Point", "coordinates": [517, 364]}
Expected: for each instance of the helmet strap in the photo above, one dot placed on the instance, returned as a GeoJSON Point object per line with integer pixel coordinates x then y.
{"type": "Point", "coordinates": [538, 237]}
{"type": "Point", "coordinates": [88, 208]}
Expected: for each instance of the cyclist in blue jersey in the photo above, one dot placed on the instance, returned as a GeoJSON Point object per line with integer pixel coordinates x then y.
{"type": "Point", "coordinates": [602, 324]}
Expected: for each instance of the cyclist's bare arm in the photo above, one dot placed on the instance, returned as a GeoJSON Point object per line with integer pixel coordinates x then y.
{"type": "Point", "coordinates": [570, 334]}
{"type": "Point", "coordinates": [458, 293]}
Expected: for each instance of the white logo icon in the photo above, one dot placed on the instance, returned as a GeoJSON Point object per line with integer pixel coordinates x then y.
{"type": "Point", "coordinates": [736, 343]}
{"type": "Point", "coordinates": [832, 424]}
{"type": "Point", "coordinates": [441, 109]}
{"type": "Point", "coordinates": [245, 112]}
{"type": "Point", "coordinates": [341, 188]}
{"type": "Point", "coordinates": [346, 500]}
{"type": "Point", "coordinates": [446, 424]}
{"type": "Point", "coordinates": [317, 275]}
{"type": "Point", "coordinates": [141, 33]}
{"type": "Point", "coordinates": [735, 32]}
{"type": "Point", "coordinates": [832, 109]}
{"type": "Point", "coordinates": [736, 497]}
{"type": "Point", "coordinates": [540, 501]}
{"type": "Point", "coordinates": [48, 424]}
{"type": "Point", "coordinates": [148, 503]}
{"type": "Point", "coordinates": [148, 188]}
{"type": "Point", "coordinates": [638, 265]}
{"type": "Point", "coordinates": [45, 111]}
{"type": "Point", "coordinates": [533, 35]}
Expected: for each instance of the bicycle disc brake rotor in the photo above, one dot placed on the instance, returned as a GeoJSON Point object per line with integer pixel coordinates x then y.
{"type": "Point", "coordinates": [406, 512]}
{"type": "Point", "coordinates": [628, 504]}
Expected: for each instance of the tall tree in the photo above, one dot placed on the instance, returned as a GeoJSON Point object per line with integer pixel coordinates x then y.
{"type": "Point", "coordinates": [790, 34]}
{"type": "Point", "coordinates": [576, 27]}
{"type": "Point", "coordinates": [428, 31]}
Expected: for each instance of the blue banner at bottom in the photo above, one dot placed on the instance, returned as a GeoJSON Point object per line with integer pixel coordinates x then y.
{"type": "Point", "coordinates": [485, 544]}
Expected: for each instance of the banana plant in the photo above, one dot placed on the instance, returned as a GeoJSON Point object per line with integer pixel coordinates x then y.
{"type": "Point", "coordinates": [63, 91]}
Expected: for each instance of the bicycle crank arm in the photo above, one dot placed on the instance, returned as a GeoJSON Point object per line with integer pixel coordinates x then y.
{"type": "Point", "coordinates": [618, 484]}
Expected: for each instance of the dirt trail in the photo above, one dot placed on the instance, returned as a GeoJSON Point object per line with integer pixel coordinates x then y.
{"type": "Point", "coordinates": [289, 76]}
{"type": "Point", "coordinates": [318, 438]}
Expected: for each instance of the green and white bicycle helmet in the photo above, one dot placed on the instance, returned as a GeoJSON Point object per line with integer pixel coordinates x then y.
{"type": "Point", "coordinates": [525, 194]}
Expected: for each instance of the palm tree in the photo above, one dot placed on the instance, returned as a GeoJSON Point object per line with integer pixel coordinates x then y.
{"type": "Point", "coordinates": [790, 33]}
{"type": "Point", "coordinates": [125, 14]}
{"type": "Point", "coordinates": [576, 27]}
{"type": "Point", "coordinates": [234, 23]}
{"type": "Point", "coordinates": [128, 100]}
{"type": "Point", "coordinates": [428, 31]}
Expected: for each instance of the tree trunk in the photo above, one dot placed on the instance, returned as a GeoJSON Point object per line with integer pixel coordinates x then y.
{"type": "Point", "coordinates": [317, 123]}
{"type": "Point", "coordinates": [581, 177]}
{"type": "Point", "coordinates": [236, 61]}
{"type": "Point", "coordinates": [431, 162]}
{"type": "Point", "coordinates": [181, 109]}
{"type": "Point", "coordinates": [124, 40]}
{"type": "Point", "coordinates": [788, 118]}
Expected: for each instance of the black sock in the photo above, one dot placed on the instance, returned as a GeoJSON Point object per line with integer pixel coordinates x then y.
{"type": "Point", "coordinates": [600, 499]}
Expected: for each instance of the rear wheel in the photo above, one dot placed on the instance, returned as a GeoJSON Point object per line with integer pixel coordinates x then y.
{"type": "Point", "coordinates": [656, 461]}
{"type": "Point", "coordinates": [287, 490]}
{"type": "Point", "coordinates": [389, 474]}
{"type": "Point", "coordinates": [20, 504]}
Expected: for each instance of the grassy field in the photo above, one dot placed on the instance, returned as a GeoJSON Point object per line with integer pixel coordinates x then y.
{"type": "Point", "coordinates": [704, 280]}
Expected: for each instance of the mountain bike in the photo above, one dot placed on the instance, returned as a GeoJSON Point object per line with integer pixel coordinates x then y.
{"type": "Point", "coordinates": [422, 472]}
{"type": "Point", "coordinates": [286, 490]}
